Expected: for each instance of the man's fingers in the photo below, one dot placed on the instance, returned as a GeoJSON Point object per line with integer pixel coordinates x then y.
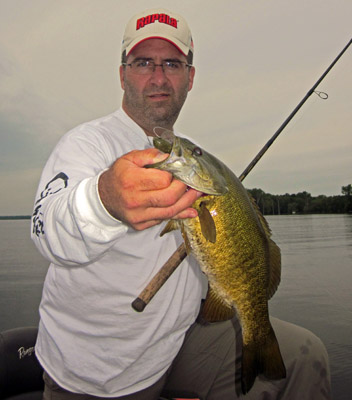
{"type": "Point", "coordinates": [176, 196]}
{"type": "Point", "coordinates": [135, 176]}
{"type": "Point", "coordinates": [143, 157]}
{"type": "Point", "coordinates": [179, 209]}
{"type": "Point", "coordinates": [148, 179]}
{"type": "Point", "coordinates": [143, 197]}
{"type": "Point", "coordinates": [183, 207]}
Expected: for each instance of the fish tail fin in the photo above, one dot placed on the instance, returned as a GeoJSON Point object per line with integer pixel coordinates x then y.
{"type": "Point", "coordinates": [250, 367]}
{"type": "Point", "coordinates": [264, 359]}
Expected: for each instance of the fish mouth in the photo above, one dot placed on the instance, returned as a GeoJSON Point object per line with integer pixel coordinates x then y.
{"type": "Point", "coordinates": [198, 175]}
{"type": "Point", "coordinates": [165, 135]}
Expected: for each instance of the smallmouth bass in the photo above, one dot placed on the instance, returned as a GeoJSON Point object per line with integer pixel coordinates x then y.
{"type": "Point", "coordinates": [230, 239]}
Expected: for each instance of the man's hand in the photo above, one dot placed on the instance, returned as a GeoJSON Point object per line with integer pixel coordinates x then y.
{"type": "Point", "coordinates": [143, 197]}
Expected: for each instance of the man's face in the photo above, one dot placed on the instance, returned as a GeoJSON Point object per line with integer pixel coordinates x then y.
{"type": "Point", "coordinates": [155, 99]}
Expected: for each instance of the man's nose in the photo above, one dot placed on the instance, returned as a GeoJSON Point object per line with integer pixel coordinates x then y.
{"type": "Point", "coordinates": [158, 75]}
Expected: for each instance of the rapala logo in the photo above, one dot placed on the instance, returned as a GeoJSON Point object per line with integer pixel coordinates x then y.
{"type": "Point", "coordinates": [150, 19]}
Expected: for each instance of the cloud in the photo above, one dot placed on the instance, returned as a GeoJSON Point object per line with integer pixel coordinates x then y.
{"type": "Point", "coordinates": [24, 119]}
{"type": "Point", "coordinates": [254, 63]}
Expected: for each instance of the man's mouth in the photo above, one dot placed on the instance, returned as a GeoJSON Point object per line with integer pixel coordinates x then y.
{"type": "Point", "coordinates": [159, 96]}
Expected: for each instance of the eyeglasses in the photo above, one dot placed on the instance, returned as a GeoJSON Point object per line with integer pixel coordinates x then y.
{"type": "Point", "coordinates": [147, 67]}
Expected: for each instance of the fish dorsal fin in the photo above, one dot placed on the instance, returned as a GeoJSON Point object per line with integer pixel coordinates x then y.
{"type": "Point", "coordinates": [214, 309]}
{"type": "Point", "coordinates": [261, 218]}
{"type": "Point", "coordinates": [275, 268]}
{"type": "Point", "coordinates": [172, 225]}
{"type": "Point", "coordinates": [274, 253]}
{"type": "Point", "coordinates": [207, 223]}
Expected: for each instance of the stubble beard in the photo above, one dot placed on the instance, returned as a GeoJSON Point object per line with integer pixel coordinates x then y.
{"type": "Point", "coordinates": [149, 114]}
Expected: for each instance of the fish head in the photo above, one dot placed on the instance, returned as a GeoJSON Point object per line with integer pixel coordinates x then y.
{"type": "Point", "coordinates": [189, 163]}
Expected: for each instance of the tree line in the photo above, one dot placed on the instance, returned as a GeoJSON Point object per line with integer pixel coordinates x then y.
{"type": "Point", "coordinates": [300, 203]}
{"type": "Point", "coordinates": [303, 202]}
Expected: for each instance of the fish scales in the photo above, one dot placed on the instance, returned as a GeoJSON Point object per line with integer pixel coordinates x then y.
{"type": "Point", "coordinates": [236, 264]}
{"type": "Point", "coordinates": [231, 241]}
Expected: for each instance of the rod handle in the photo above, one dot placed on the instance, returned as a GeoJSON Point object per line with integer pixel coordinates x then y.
{"type": "Point", "coordinates": [159, 279]}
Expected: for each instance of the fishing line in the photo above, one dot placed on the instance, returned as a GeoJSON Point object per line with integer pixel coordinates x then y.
{"type": "Point", "coordinates": [293, 113]}
{"type": "Point", "coordinates": [178, 256]}
{"type": "Point", "coordinates": [322, 95]}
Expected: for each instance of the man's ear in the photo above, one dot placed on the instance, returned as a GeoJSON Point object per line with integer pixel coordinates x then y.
{"type": "Point", "coordinates": [192, 71]}
{"type": "Point", "coordinates": [122, 71]}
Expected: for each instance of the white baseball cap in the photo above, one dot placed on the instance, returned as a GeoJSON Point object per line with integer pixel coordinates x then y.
{"type": "Point", "coordinates": [158, 23]}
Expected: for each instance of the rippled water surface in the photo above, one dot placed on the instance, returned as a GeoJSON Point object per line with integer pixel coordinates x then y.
{"type": "Point", "coordinates": [316, 285]}
{"type": "Point", "coordinates": [315, 290]}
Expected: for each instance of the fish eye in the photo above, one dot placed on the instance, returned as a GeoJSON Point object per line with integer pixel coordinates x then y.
{"type": "Point", "coordinates": [197, 151]}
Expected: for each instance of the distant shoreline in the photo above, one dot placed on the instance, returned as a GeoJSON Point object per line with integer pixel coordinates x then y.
{"type": "Point", "coordinates": [2, 217]}
{"type": "Point", "coordinates": [18, 217]}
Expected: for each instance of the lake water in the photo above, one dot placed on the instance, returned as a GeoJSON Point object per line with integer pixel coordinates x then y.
{"type": "Point", "coordinates": [315, 290]}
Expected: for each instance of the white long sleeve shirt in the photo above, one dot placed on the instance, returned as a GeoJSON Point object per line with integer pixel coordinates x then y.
{"type": "Point", "coordinates": [90, 339]}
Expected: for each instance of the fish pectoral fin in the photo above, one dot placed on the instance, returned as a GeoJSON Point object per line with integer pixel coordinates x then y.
{"type": "Point", "coordinates": [172, 225]}
{"type": "Point", "coordinates": [207, 223]}
{"type": "Point", "coordinates": [274, 268]}
{"type": "Point", "coordinates": [214, 309]}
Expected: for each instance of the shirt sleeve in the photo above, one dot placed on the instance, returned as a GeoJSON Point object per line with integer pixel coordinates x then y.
{"type": "Point", "coordinates": [70, 225]}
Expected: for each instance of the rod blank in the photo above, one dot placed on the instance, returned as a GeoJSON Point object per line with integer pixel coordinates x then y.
{"type": "Point", "coordinates": [180, 254]}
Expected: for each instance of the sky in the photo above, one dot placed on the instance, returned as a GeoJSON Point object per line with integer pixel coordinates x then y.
{"type": "Point", "coordinates": [255, 61]}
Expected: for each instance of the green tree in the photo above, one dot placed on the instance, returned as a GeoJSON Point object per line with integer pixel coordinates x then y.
{"type": "Point", "coordinates": [347, 192]}
{"type": "Point", "coordinates": [303, 202]}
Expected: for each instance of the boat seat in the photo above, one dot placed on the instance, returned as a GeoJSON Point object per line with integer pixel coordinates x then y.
{"type": "Point", "coordinates": [21, 376]}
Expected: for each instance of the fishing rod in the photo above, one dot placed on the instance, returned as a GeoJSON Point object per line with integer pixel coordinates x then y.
{"type": "Point", "coordinates": [180, 254]}
{"type": "Point", "coordinates": [294, 112]}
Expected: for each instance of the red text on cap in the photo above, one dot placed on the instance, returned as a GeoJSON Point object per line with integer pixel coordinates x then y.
{"type": "Point", "coordinates": [150, 19]}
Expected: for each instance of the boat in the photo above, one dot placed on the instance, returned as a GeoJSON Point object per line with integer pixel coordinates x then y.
{"type": "Point", "coordinates": [21, 375]}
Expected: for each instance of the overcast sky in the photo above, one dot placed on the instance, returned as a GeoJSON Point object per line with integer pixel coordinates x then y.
{"type": "Point", "coordinates": [255, 61]}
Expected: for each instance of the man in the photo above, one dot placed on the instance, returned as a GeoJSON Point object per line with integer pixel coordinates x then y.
{"type": "Point", "coordinates": [101, 233]}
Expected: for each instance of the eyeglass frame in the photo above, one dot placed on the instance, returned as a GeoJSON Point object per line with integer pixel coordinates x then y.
{"type": "Point", "coordinates": [162, 65]}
